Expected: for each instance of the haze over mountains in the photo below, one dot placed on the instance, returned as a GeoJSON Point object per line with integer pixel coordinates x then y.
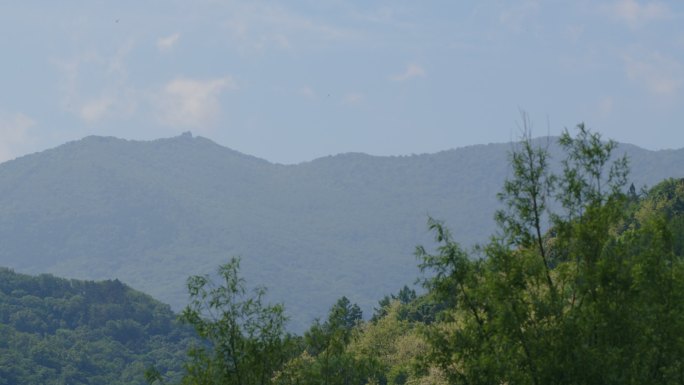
{"type": "Point", "coordinates": [153, 213]}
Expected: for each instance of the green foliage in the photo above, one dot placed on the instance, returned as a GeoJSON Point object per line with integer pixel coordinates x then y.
{"type": "Point", "coordinates": [325, 358]}
{"type": "Point", "coordinates": [396, 346]}
{"type": "Point", "coordinates": [58, 331]}
{"type": "Point", "coordinates": [246, 342]}
{"type": "Point", "coordinates": [405, 296]}
{"type": "Point", "coordinates": [345, 350]}
{"type": "Point", "coordinates": [582, 296]}
{"type": "Point", "coordinates": [342, 318]}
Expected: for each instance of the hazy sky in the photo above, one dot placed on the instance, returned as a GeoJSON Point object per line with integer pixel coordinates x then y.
{"type": "Point", "coordinates": [291, 81]}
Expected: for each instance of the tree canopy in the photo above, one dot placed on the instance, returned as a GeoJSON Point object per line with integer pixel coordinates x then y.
{"type": "Point", "coordinates": [59, 331]}
{"type": "Point", "coordinates": [578, 287]}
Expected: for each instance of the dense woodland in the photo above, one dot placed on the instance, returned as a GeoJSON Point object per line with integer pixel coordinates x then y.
{"type": "Point", "coordinates": [581, 283]}
{"type": "Point", "coordinates": [58, 331]}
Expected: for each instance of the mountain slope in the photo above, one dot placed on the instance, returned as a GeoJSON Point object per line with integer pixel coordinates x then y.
{"type": "Point", "coordinates": [58, 331]}
{"type": "Point", "coordinates": [152, 213]}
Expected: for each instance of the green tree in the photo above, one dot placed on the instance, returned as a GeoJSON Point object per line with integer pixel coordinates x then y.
{"type": "Point", "coordinates": [567, 297]}
{"type": "Point", "coordinates": [245, 338]}
{"type": "Point", "coordinates": [326, 358]}
{"type": "Point", "coordinates": [405, 296]}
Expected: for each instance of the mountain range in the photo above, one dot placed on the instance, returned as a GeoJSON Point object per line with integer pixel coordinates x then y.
{"type": "Point", "coordinates": [151, 213]}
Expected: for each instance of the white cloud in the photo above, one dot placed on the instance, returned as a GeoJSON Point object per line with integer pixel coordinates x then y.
{"type": "Point", "coordinates": [166, 44]}
{"type": "Point", "coordinates": [192, 103]}
{"type": "Point", "coordinates": [635, 14]}
{"type": "Point", "coordinates": [13, 128]}
{"type": "Point", "coordinates": [412, 71]}
{"type": "Point", "coordinates": [659, 74]}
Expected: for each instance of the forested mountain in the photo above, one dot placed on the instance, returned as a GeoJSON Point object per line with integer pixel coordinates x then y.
{"type": "Point", "coordinates": [59, 331]}
{"type": "Point", "coordinates": [582, 284]}
{"type": "Point", "coordinates": [152, 213]}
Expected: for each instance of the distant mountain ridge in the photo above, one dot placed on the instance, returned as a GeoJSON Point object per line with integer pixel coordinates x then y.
{"type": "Point", "coordinates": [152, 213]}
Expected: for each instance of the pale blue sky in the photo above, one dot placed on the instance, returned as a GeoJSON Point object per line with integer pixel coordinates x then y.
{"type": "Point", "coordinates": [292, 81]}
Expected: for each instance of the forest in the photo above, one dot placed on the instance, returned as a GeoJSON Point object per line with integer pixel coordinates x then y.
{"type": "Point", "coordinates": [581, 283]}
{"type": "Point", "coordinates": [60, 331]}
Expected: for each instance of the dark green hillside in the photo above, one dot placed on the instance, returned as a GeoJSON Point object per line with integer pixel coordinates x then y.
{"type": "Point", "coordinates": [152, 213]}
{"type": "Point", "coordinates": [59, 331]}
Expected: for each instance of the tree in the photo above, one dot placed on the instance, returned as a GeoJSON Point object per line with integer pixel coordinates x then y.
{"type": "Point", "coordinates": [245, 338]}
{"type": "Point", "coordinates": [326, 359]}
{"type": "Point", "coordinates": [405, 296]}
{"type": "Point", "coordinates": [567, 297]}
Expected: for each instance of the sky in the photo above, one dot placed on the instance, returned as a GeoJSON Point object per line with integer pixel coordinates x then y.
{"type": "Point", "coordinates": [290, 81]}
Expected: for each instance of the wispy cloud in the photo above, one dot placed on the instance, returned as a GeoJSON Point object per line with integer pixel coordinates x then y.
{"type": "Point", "coordinates": [94, 86]}
{"type": "Point", "coordinates": [396, 15]}
{"type": "Point", "coordinates": [71, 70]}
{"type": "Point", "coordinates": [605, 106]}
{"type": "Point", "coordinates": [573, 32]}
{"type": "Point", "coordinates": [116, 64]}
{"type": "Point", "coordinates": [192, 103]}
{"type": "Point", "coordinates": [517, 16]}
{"type": "Point", "coordinates": [353, 98]}
{"type": "Point", "coordinates": [13, 132]}
{"type": "Point", "coordinates": [412, 71]}
{"type": "Point", "coordinates": [635, 13]}
{"type": "Point", "coordinates": [307, 92]}
{"type": "Point", "coordinates": [258, 26]}
{"type": "Point", "coordinates": [659, 74]}
{"type": "Point", "coordinates": [166, 44]}
{"type": "Point", "coordinates": [95, 109]}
